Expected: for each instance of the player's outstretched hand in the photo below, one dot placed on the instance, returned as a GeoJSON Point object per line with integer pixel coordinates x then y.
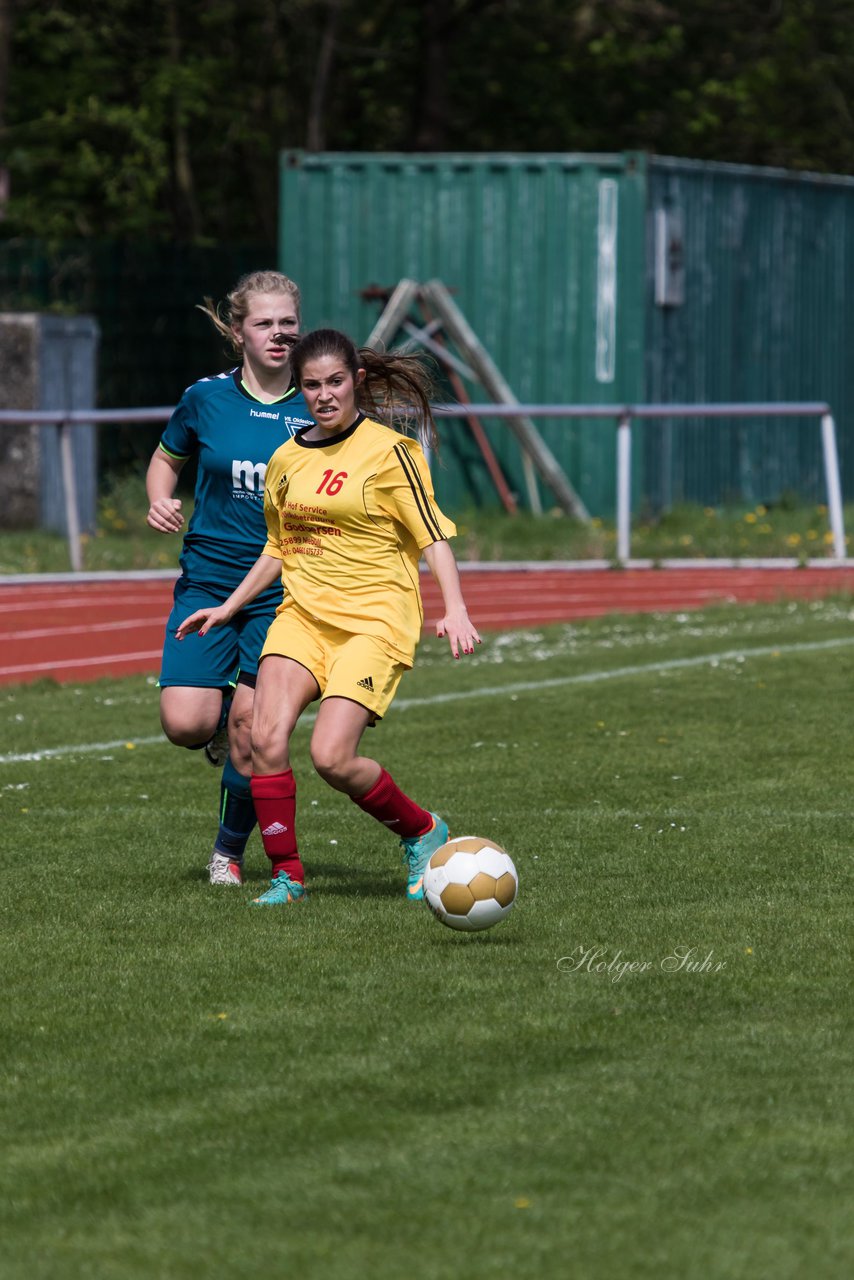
{"type": "Point", "coordinates": [202, 621]}
{"type": "Point", "coordinates": [165, 516]}
{"type": "Point", "coordinates": [461, 632]}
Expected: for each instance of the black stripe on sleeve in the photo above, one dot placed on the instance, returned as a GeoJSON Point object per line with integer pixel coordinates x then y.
{"type": "Point", "coordinates": [416, 484]}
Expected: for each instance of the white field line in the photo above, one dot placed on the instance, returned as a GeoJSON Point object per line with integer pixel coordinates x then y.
{"type": "Point", "coordinates": [42, 633]}
{"type": "Point", "coordinates": [76, 604]}
{"type": "Point", "coordinates": [146, 655]}
{"type": "Point", "coordinates": [487, 691]}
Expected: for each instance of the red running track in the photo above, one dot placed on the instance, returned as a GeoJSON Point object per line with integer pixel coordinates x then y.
{"type": "Point", "coordinates": [82, 630]}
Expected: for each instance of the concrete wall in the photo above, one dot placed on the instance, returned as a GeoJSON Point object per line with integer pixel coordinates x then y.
{"type": "Point", "coordinates": [20, 452]}
{"type": "Point", "coordinates": [46, 362]}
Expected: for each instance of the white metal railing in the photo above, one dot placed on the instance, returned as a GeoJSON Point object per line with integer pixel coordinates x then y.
{"type": "Point", "coordinates": [65, 422]}
{"type": "Point", "coordinates": [622, 414]}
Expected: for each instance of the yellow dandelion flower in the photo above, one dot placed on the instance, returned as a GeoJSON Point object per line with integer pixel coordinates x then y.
{"type": "Point", "coordinates": [750, 518]}
{"type": "Point", "coordinates": [793, 539]}
{"type": "Point", "coordinates": [522, 1202]}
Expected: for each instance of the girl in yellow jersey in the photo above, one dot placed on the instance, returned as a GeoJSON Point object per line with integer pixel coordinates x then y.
{"type": "Point", "coordinates": [350, 510]}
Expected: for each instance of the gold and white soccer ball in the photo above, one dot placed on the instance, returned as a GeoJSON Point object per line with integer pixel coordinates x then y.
{"type": "Point", "coordinates": [470, 883]}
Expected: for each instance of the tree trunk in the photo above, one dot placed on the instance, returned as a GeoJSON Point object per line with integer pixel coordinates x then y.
{"type": "Point", "coordinates": [316, 133]}
{"type": "Point", "coordinates": [6, 20]}
{"type": "Point", "coordinates": [431, 105]}
{"type": "Point", "coordinates": [188, 217]}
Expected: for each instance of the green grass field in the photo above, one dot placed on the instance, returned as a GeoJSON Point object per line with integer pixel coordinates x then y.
{"type": "Point", "coordinates": [347, 1089]}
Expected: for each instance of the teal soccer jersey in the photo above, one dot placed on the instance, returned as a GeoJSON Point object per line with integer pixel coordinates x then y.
{"type": "Point", "coordinates": [232, 435]}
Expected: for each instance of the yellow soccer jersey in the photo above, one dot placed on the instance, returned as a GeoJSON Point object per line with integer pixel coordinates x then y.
{"type": "Point", "coordinates": [349, 517]}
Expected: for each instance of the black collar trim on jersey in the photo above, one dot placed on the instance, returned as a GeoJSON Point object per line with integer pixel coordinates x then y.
{"type": "Point", "coordinates": [235, 377]}
{"type": "Point", "coordinates": [321, 444]}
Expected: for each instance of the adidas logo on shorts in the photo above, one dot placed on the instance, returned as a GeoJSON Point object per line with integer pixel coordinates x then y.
{"type": "Point", "coordinates": [367, 683]}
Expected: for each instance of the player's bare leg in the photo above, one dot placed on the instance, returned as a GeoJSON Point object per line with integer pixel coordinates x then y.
{"type": "Point", "coordinates": [334, 752]}
{"type": "Point", "coordinates": [189, 716]}
{"type": "Point", "coordinates": [335, 745]}
{"type": "Point", "coordinates": [283, 691]}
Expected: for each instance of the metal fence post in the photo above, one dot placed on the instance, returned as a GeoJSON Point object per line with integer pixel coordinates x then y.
{"type": "Point", "coordinates": [834, 488]}
{"type": "Point", "coordinates": [624, 487]}
{"type": "Point", "coordinates": [69, 494]}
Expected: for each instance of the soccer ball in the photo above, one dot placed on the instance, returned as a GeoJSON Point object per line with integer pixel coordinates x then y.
{"type": "Point", "coordinates": [470, 883]}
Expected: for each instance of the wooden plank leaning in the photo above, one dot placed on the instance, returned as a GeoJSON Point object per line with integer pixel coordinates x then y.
{"type": "Point", "coordinates": [393, 316]}
{"type": "Point", "coordinates": [530, 440]}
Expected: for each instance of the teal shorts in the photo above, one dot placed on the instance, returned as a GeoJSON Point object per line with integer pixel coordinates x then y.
{"type": "Point", "coordinates": [214, 661]}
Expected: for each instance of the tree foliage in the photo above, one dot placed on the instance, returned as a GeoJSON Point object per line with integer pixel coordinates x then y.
{"type": "Point", "coordinates": [164, 119]}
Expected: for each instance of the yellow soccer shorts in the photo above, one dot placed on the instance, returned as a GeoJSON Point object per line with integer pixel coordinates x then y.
{"type": "Point", "coordinates": [344, 665]}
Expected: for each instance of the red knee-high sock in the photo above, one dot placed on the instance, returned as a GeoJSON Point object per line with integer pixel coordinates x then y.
{"type": "Point", "coordinates": [275, 799]}
{"type": "Point", "coordinates": [386, 802]}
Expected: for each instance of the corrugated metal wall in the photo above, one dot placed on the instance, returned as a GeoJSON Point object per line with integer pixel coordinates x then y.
{"type": "Point", "coordinates": [543, 253]}
{"type": "Point", "coordinates": [763, 262]}
{"type": "Point", "coordinates": [608, 279]}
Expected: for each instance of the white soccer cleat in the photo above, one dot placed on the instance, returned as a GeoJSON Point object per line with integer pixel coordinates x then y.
{"type": "Point", "coordinates": [224, 870]}
{"type": "Point", "coordinates": [216, 749]}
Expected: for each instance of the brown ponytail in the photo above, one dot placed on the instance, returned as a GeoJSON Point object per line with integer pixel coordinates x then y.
{"type": "Point", "coordinates": [396, 390]}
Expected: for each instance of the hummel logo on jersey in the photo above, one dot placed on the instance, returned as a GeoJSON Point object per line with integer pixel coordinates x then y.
{"type": "Point", "coordinates": [274, 829]}
{"type": "Point", "coordinates": [367, 683]}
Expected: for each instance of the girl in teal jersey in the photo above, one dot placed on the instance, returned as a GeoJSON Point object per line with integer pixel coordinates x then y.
{"type": "Point", "coordinates": [231, 424]}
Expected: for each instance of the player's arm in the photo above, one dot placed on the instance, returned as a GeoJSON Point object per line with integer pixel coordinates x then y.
{"type": "Point", "coordinates": [161, 479]}
{"type": "Point", "coordinates": [265, 571]}
{"type": "Point", "coordinates": [455, 624]}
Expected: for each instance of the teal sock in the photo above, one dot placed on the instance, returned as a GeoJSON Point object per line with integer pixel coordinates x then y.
{"type": "Point", "coordinates": [236, 813]}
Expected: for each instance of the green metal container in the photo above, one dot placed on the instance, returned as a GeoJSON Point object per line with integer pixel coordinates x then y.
{"type": "Point", "coordinates": [750, 298]}
{"type": "Point", "coordinates": [544, 255]}
{"type": "Point", "coordinates": [598, 280]}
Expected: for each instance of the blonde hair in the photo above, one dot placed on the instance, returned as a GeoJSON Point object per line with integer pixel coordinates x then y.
{"type": "Point", "coordinates": [230, 314]}
{"type": "Point", "coordinates": [396, 389]}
